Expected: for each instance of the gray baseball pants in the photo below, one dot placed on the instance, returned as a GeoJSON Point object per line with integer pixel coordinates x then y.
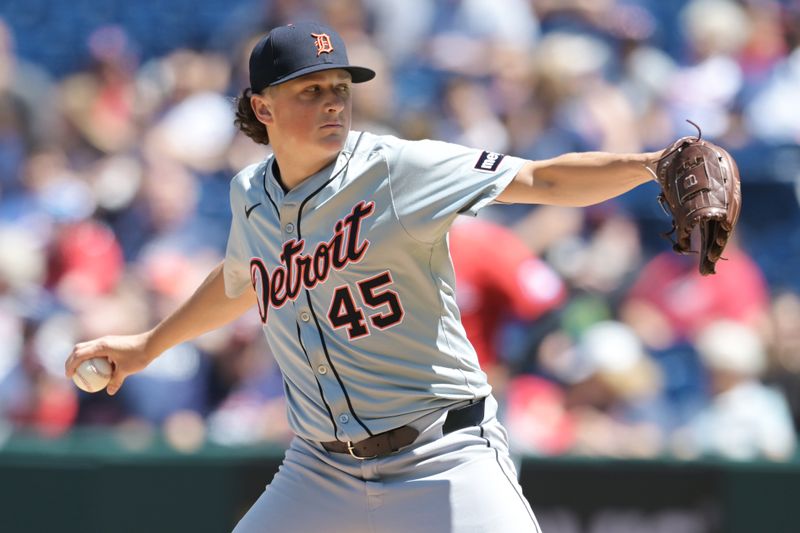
{"type": "Point", "coordinates": [460, 482]}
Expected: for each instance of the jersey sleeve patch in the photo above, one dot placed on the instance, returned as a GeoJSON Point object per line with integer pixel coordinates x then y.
{"type": "Point", "coordinates": [488, 161]}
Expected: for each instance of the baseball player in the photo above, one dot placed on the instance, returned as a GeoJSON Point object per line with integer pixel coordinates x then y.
{"type": "Point", "coordinates": [340, 240]}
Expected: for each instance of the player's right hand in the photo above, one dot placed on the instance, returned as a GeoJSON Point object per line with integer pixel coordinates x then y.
{"type": "Point", "coordinates": [127, 354]}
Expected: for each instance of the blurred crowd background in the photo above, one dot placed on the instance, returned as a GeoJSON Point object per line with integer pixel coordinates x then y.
{"type": "Point", "coordinates": [117, 148]}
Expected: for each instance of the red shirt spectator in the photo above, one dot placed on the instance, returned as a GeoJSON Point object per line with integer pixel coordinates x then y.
{"type": "Point", "coordinates": [497, 278]}
{"type": "Point", "coordinates": [671, 301]}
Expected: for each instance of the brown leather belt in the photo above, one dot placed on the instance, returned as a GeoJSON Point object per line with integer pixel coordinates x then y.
{"type": "Point", "coordinates": [388, 442]}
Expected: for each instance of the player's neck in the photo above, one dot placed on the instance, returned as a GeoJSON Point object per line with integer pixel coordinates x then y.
{"type": "Point", "coordinates": [292, 171]}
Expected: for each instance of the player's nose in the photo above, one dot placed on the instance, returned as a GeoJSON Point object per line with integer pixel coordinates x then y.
{"type": "Point", "coordinates": [334, 102]}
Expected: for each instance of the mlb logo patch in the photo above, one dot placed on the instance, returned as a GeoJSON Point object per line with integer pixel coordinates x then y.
{"type": "Point", "coordinates": [488, 161]}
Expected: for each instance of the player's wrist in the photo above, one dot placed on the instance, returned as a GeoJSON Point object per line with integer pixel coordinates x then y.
{"type": "Point", "coordinates": [650, 163]}
{"type": "Point", "coordinates": [151, 344]}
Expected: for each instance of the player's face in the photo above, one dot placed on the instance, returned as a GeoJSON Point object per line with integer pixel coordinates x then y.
{"type": "Point", "coordinates": [311, 112]}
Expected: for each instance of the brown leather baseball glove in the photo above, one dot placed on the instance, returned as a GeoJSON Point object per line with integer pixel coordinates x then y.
{"type": "Point", "coordinates": [699, 188]}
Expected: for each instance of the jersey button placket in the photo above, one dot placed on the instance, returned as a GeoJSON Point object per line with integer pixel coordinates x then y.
{"type": "Point", "coordinates": [325, 374]}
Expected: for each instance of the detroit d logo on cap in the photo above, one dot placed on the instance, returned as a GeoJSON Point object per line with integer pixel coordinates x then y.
{"type": "Point", "coordinates": [323, 43]}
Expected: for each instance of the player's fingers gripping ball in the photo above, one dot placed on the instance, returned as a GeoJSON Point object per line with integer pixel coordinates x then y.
{"type": "Point", "coordinates": [93, 374]}
{"type": "Point", "coordinates": [700, 187]}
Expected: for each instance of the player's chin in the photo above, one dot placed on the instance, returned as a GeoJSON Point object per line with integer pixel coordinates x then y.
{"type": "Point", "coordinates": [333, 138]}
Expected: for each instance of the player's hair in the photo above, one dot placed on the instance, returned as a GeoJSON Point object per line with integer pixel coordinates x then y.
{"type": "Point", "coordinates": [246, 119]}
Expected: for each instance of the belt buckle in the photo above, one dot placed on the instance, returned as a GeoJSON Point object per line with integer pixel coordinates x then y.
{"type": "Point", "coordinates": [353, 453]}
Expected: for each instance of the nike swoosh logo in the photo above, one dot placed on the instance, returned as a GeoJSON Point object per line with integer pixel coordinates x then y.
{"type": "Point", "coordinates": [248, 210]}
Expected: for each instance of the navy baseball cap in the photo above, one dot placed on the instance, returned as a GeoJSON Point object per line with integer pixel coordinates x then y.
{"type": "Point", "coordinates": [289, 52]}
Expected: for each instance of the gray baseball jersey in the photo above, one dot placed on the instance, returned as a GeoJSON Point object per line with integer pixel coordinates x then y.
{"type": "Point", "coordinates": [354, 281]}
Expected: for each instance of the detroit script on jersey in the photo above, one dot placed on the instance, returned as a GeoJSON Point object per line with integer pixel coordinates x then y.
{"type": "Point", "coordinates": [299, 270]}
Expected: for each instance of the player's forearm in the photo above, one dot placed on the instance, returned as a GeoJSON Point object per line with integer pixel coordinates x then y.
{"type": "Point", "coordinates": [579, 179]}
{"type": "Point", "coordinates": [207, 309]}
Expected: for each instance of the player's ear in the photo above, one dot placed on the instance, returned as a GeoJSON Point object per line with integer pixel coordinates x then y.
{"type": "Point", "coordinates": [262, 109]}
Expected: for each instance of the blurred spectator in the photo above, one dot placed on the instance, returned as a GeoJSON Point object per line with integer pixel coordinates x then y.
{"type": "Point", "coordinates": [472, 36]}
{"type": "Point", "coordinates": [706, 88]}
{"type": "Point", "coordinates": [537, 418]}
{"type": "Point", "coordinates": [602, 255]}
{"type": "Point", "coordinates": [400, 28]}
{"type": "Point", "coordinates": [472, 121]}
{"type": "Point", "coordinates": [745, 419]}
{"type": "Point", "coordinates": [28, 118]}
{"type": "Point", "coordinates": [767, 114]}
{"type": "Point", "coordinates": [86, 260]}
{"type": "Point", "coordinates": [36, 396]}
{"type": "Point", "coordinates": [99, 103]}
{"type": "Point", "coordinates": [784, 350]}
{"type": "Point", "coordinates": [252, 408]}
{"type": "Point", "coordinates": [514, 285]}
{"type": "Point", "coordinates": [671, 301]}
{"type": "Point", "coordinates": [615, 393]}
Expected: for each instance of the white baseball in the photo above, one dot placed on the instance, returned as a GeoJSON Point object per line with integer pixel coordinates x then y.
{"type": "Point", "coordinates": [93, 374]}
